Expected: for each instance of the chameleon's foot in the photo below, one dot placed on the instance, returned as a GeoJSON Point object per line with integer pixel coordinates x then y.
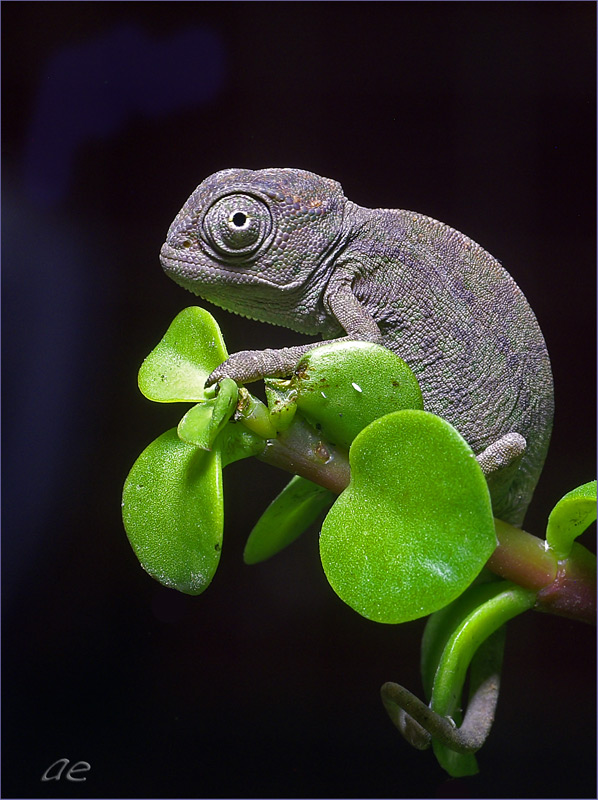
{"type": "Point", "coordinates": [247, 366]}
{"type": "Point", "coordinates": [243, 367]}
{"type": "Point", "coordinates": [502, 453]}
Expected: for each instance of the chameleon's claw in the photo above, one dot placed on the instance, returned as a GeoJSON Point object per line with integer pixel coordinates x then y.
{"type": "Point", "coordinates": [248, 366]}
{"type": "Point", "coordinates": [215, 376]}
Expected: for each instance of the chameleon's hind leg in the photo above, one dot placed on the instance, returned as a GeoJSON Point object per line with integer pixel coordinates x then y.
{"type": "Point", "coordinates": [505, 453]}
{"type": "Point", "coordinates": [500, 463]}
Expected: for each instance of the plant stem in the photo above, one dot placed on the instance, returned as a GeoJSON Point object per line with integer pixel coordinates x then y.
{"type": "Point", "coordinates": [522, 558]}
{"type": "Point", "coordinates": [573, 591]}
{"type": "Point", "coordinates": [302, 451]}
{"type": "Point", "coordinates": [565, 587]}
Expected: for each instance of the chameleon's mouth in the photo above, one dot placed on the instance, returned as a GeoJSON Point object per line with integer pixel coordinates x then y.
{"type": "Point", "coordinates": [193, 270]}
{"type": "Point", "coordinates": [221, 285]}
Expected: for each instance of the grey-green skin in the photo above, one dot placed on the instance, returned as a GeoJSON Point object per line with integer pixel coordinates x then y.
{"type": "Point", "coordinates": [285, 246]}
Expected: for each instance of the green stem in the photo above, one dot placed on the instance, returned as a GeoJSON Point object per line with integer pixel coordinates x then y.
{"type": "Point", "coordinates": [302, 451]}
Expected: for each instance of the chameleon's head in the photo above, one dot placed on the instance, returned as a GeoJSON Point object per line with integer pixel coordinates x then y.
{"type": "Point", "coordinates": [248, 241]}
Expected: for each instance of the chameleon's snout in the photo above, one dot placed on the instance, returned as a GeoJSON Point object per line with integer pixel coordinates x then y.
{"type": "Point", "coordinates": [167, 257]}
{"type": "Point", "coordinates": [176, 262]}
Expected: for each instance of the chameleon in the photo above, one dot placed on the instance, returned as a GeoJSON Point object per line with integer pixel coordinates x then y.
{"type": "Point", "coordinates": [285, 246]}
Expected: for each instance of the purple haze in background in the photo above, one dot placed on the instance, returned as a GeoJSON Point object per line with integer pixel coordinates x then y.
{"type": "Point", "coordinates": [91, 90]}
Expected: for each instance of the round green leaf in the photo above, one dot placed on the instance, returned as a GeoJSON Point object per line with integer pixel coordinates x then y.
{"type": "Point", "coordinates": [172, 512]}
{"type": "Point", "coordinates": [570, 517]}
{"type": "Point", "coordinates": [346, 385]}
{"type": "Point", "coordinates": [177, 369]}
{"type": "Point", "coordinates": [414, 527]}
{"type": "Point", "coordinates": [288, 515]}
{"type": "Point", "coordinates": [194, 428]}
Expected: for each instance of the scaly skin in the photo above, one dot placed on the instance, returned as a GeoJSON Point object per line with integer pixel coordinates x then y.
{"type": "Point", "coordinates": [285, 246]}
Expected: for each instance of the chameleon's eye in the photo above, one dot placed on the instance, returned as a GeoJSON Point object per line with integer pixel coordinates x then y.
{"type": "Point", "coordinates": [237, 224]}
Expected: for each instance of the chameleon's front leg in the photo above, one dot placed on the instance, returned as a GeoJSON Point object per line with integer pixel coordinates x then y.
{"type": "Point", "coordinates": [247, 366]}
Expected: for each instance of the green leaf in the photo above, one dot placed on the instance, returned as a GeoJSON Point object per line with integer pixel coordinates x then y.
{"type": "Point", "coordinates": [346, 385]}
{"type": "Point", "coordinates": [177, 369]}
{"type": "Point", "coordinates": [288, 515]}
{"type": "Point", "coordinates": [255, 415]}
{"type": "Point", "coordinates": [414, 527]}
{"type": "Point", "coordinates": [451, 640]}
{"type": "Point", "coordinates": [282, 405]}
{"type": "Point", "coordinates": [202, 423]}
{"type": "Point", "coordinates": [194, 427]}
{"type": "Point", "coordinates": [172, 512]}
{"type": "Point", "coordinates": [236, 442]}
{"type": "Point", "coordinates": [570, 517]}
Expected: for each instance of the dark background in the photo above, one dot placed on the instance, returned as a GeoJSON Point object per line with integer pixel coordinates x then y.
{"type": "Point", "coordinates": [479, 114]}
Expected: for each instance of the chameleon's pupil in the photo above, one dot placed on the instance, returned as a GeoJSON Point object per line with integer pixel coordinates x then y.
{"type": "Point", "coordinates": [239, 219]}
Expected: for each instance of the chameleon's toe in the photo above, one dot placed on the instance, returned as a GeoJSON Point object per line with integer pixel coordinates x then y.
{"type": "Point", "coordinates": [214, 377]}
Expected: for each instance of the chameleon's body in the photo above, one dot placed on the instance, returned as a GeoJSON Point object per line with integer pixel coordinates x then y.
{"type": "Point", "coordinates": [285, 246]}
